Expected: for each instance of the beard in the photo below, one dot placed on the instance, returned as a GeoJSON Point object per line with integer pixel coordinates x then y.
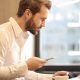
{"type": "Point", "coordinates": [31, 26]}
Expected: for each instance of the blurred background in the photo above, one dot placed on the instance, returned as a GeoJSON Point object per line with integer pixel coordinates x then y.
{"type": "Point", "coordinates": [61, 37]}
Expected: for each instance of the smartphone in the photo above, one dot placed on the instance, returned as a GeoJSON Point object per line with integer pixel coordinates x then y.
{"type": "Point", "coordinates": [49, 59]}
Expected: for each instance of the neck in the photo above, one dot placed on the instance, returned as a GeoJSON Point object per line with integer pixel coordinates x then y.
{"type": "Point", "coordinates": [21, 22]}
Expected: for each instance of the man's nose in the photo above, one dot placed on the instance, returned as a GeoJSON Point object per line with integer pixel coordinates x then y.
{"type": "Point", "coordinates": [43, 24]}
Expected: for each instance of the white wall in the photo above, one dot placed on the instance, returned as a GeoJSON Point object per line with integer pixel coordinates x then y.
{"type": "Point", "coordinates": [7, 8]}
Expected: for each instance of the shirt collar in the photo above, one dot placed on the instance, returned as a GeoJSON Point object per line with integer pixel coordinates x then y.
{"type": "Point", "coordinates": [16, 27]}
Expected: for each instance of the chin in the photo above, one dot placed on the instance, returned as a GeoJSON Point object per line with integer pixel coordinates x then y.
{"type": "Point", "coordinates": [36, 33]}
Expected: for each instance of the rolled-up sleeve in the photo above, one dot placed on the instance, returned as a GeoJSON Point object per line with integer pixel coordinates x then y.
{"type": "Point", "coordinates": [13, 71]}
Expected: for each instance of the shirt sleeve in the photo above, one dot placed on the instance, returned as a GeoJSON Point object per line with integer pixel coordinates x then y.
{"type": "Point", "coordinates": [12, 71]}
{"type": "Point", "coordinates": [31, 75]}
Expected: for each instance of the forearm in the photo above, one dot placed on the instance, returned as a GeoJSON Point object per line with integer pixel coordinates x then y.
{"type": "Point", "coordinates": [38, 76]}
{"type": "Point", "coordinates": [45, 76]}
{"type": "Point", "coordinates": [12, 72]}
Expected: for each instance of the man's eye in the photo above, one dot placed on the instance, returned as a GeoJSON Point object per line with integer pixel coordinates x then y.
{"type": "Point", "coordinates": [43, 19]}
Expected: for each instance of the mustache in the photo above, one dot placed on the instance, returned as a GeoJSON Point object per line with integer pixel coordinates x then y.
{"type": "Point", "coordinates": [33, 28]}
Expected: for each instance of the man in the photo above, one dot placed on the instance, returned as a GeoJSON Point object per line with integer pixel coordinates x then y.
{"type": "Point", "coordinates": [31, 17]}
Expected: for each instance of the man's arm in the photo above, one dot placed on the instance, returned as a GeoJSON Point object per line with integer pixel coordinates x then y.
{"type": "Point", "coordinates": [12, 71]}
{"type": "Point", "coordinates": [31, 75]}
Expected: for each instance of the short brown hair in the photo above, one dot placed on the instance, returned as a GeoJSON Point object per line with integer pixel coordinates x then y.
{"type": "Point", "coordinates": [33, 5]}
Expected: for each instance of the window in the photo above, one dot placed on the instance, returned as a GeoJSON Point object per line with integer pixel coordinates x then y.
{"type": "Point", "coordinates": [61, 37]}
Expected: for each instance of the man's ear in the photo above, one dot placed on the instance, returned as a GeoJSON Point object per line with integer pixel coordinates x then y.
{"type": "Point", "coordinates": [28, 13]}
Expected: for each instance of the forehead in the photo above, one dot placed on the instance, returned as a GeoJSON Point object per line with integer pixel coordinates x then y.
{"type": "Point", "coordinates": [44, 9]}
{"type": "Point", "coordinates": [43, 12]}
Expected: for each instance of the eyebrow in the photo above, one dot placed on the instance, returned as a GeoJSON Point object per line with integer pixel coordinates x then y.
{"type": "Point", "coordinates": [44, 18]}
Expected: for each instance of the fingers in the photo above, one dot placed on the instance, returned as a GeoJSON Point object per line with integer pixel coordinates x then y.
{"type": "Point", "coordinates": [35, 63]}
{"type": "Point", "coordinates": [61, 73]}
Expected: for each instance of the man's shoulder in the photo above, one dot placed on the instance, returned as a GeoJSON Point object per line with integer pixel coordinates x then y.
{"type": "Point", "coordinates": [5, 32]}
{"type": "Point", "coordinates": [4, 24]}
{"type": "Point", "coordinates": [5, 28]}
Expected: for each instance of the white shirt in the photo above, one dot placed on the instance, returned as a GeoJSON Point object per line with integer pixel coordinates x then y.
{"type": "Point", "coordinates": [12, 40]}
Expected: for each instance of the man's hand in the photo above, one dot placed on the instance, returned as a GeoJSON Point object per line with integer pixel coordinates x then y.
{"type": "Point", "coordinates": [61, 73]}
{"type": "Point", "coordinates": [35, 63]}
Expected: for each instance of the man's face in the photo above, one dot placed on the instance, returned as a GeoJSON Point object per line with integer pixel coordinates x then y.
{"type": "Point", "coordinates": [37, 21]}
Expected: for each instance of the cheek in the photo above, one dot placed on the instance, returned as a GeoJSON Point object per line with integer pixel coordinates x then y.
{"type": "Point", "coordinates": [38, 23]}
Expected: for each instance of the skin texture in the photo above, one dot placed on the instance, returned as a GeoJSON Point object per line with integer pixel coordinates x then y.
{"type": "Point", "coordinates": [35, 63]}
{"type": "Point", "coordinates": [37, 21]}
